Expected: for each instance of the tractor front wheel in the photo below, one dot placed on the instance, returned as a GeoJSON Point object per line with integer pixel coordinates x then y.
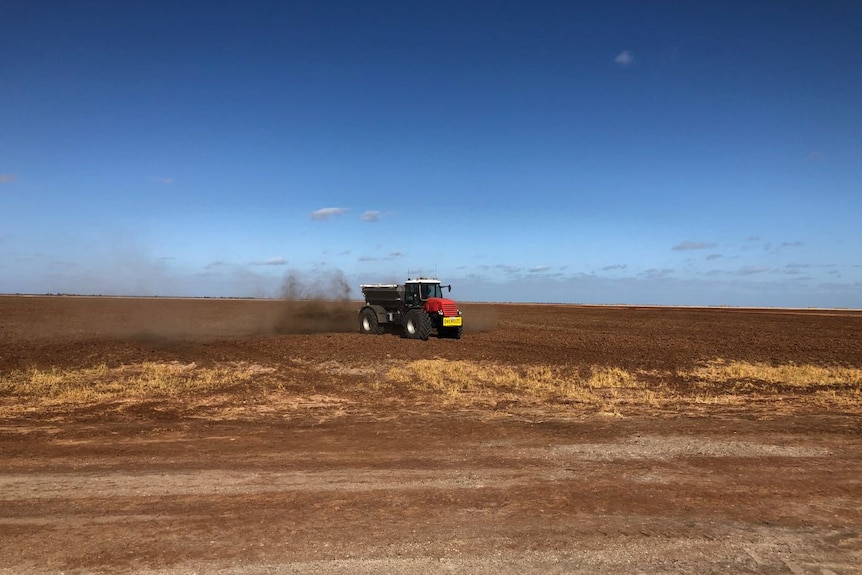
{"type": "Point", "coordinates": [450, 332]}
{"type": "Point", "coordinates": [417, 325]}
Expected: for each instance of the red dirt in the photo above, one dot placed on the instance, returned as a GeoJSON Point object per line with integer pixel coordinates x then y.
{"type": "Point", "coordinates": [323, 475]}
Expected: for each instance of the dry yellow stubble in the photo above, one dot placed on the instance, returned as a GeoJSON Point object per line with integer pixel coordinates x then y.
{"type": "Point", "coordinates": [148, 379]}
{"type": "Point", "coordinates": [603, 389]}
{"type": "Point", "coordinates": [806, 376]}
{"type": "Point", "coordinates": [453, 378]}
{"type": "Point", "coordinates": [612, 390]}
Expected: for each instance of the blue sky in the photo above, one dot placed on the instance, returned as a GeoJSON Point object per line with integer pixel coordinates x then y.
{"type": "Point", "coordinates": [692, 153]}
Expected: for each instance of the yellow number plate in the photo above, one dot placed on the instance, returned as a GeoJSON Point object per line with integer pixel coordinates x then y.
{"type": "Point", "coordinates": [451, 321]}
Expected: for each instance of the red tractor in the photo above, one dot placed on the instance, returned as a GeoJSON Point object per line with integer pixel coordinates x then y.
{"type": "Point", "coordinates": [418, 307]}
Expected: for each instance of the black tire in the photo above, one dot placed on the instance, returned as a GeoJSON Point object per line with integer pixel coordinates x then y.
{"type": "Point", "coordinates": [450, 332]}
{"type": "Point", "coordinates": [368, 322]}
{"type": "Point", "coordinates": [417, 325]}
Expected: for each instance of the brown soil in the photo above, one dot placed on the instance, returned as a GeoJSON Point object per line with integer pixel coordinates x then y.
{"type": "Point", "coordinates": [315, 468]}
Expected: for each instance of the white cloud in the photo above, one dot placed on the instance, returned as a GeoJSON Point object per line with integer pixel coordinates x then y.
{"type": "Point", "coordinates": [656, 273]}
{"type": "Point", "coordinates": [508, 269]}
{"type": "Point", "coordinates": [714, 257]}
{"type": "Point", "coordinates": [614, 267]}
{"type": "Point", "coordinates": [164, 181]}
{"type": "Point", "coordinates": [6, 178]}
{"type": "Point", "coordinates": [752, 270]}
{"type": "Point", "coordinates": [625, 58]}
{"type": "Point", "coordinates": [685, 246]}
{"type": "Point", "coordinates": [537, 269]}
{"type": "Point", "coordinates": [370, 216]}
{"type": "Point", "coordinates": [279, 261]}
{"type": "Point", "coordinates": [775, 248]}
{"type": "Point", "coordinates": [326, 213]}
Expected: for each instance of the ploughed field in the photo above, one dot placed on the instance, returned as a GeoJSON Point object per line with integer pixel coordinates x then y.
{"type": "Point", "coordinates": [250, 436]}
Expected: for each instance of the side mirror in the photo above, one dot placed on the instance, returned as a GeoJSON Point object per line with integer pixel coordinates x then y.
{"type": "Point", "coordinates": [450, 287]}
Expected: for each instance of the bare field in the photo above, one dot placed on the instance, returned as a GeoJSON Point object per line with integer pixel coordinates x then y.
{"type": "Point", "coordinates": [244, 436]}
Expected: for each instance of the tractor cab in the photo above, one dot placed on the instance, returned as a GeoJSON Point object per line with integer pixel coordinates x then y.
{"type": "Point", "coordinates": [421, 290]}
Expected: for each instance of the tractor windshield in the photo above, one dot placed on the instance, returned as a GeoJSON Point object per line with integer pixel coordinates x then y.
{"type": "Point", "coordinates": [431, 290]}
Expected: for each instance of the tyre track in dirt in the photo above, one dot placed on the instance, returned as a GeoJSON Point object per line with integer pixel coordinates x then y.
{"type": "Point", "coordinates": [507, 494]}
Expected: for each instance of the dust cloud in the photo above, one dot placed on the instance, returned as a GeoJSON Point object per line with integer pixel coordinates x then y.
{"type": "Point", "coordinates": [308, 302]}
{"type": "Point", "coordinates": [315, 303]}
{"type": "Point", "coordinates": [479, 318]}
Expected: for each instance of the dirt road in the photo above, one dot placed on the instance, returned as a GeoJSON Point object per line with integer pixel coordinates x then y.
{"type": "Point", "coordinates": [329, 472]}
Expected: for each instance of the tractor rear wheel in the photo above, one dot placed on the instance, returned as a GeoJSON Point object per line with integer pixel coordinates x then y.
{"type": "Point", "coordinates": [368, 322]}
{"type": "Point", "coordinates": [417, 325]}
